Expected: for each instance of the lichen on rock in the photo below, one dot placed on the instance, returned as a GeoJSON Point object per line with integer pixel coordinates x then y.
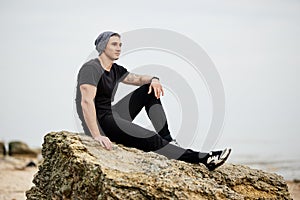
{"type": "Point", "coordinates": [76, 167]}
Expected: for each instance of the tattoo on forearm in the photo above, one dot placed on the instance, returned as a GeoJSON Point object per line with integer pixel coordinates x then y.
{"type": "Point", "coordinates": [136, 79]}
{"type": "Point", "coordinates": [131, 78]}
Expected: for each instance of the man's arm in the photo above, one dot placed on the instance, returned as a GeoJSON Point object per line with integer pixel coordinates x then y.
{"type": "Point", "coordinates": [88, 93]}
{"type": "Point", "coordinates": [138, 80]}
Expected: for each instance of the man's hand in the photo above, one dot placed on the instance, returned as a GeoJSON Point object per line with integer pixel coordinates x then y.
{"type": "Point", "coordinates": [135, 79]}
{"type": "Point", "coordinates": [157, 88]}
{"type": "Point", "coordinates": [104, 141]}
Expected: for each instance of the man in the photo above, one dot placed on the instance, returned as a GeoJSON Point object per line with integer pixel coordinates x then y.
{"type": "Point", "coordinates": [98, 80]}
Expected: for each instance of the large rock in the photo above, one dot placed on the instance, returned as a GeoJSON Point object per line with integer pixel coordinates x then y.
{"type": "Point", "coordinates": [2, 149]}
{"type": "Point", "coordinates": [77, 167]}
{"type": "Point", "coordinates": [21, 149]}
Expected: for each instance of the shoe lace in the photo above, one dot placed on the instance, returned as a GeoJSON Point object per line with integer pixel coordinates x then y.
{"type": "Point", "coordinates": [213, 159]}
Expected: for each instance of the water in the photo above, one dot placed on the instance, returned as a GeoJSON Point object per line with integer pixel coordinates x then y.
{"type": "Point", "coordinates": [288, 167]}
{"type": "Point", "coordinates": [278, 157]}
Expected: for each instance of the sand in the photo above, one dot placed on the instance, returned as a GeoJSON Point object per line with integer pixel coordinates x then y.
{"type": "Point", "coordinates": [294, 189]}
{"type": "Point", "coordinates": [16, 178]}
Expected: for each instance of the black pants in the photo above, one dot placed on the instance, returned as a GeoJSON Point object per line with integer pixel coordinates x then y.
{"type": "Point", "coordinates": [119, 128]}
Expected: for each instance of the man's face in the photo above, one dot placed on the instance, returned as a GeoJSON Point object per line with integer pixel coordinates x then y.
{"type": "Point", "coordinates": [113, 48]}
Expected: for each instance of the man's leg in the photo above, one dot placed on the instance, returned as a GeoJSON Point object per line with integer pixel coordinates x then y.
{"type": "Point", "coordinates": [124, 131]}
{"type": "Point", "coordinates": [130, 106]}
{"type": "Point", "coordinates": [121, 131]}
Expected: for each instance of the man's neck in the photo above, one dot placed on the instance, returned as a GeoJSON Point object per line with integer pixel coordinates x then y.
{"type": "Point", "coordinates": [105, 62]}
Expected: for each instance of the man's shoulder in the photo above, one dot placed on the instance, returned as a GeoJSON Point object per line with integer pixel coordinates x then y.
{"type": "Point", "coordinates": [92, 64]}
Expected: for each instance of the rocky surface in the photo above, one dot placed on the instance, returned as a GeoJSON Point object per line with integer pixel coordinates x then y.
{"type": "Point", "coordinates": [21, 149]}
{"type": "Point", "coordinates": [77, 167]}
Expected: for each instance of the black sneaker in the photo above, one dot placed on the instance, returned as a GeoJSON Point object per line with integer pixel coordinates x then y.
{"type": "Point", "coordinates": [216, 159]}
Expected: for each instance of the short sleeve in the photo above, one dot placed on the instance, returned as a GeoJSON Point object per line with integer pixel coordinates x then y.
{"type": "Point", "coordinates": [89, 74]}
{"type": "Point", "coordinates": [122, 73]}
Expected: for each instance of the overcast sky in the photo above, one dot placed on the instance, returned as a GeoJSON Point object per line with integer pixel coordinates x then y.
{"type": "Point", "coordinates": [254, 45]}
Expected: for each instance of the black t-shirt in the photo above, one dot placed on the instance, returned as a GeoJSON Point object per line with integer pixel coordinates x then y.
{"type": "Point", "coordinates": [106, 82]}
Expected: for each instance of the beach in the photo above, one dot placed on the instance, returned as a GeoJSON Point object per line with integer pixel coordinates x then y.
{"type": "Point", "coordinates": [16, 178]}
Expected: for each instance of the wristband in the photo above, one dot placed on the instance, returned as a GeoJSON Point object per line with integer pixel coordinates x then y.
{"type": "Point", "coordinates": [154, 77]}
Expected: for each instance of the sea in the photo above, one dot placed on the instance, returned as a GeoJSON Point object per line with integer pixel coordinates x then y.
{"type": "Point", "coordinates": [270, 156]}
